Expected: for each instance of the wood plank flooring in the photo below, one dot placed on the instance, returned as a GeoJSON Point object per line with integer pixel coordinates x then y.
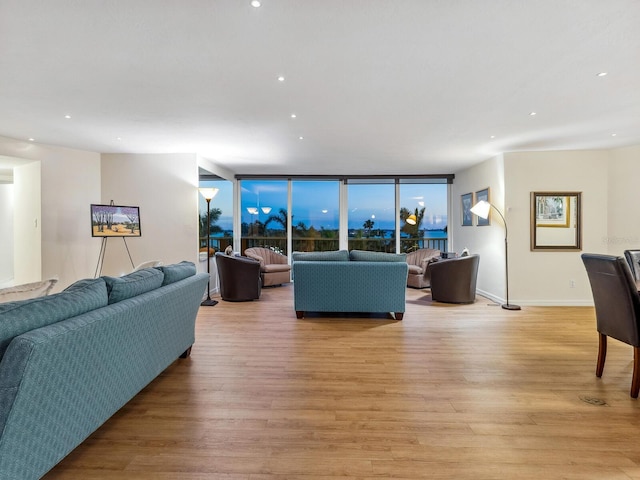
{"type": "Point", "coordinates": [450, 392]}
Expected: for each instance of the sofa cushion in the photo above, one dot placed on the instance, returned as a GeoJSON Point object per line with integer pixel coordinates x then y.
{"type": "Point", "coordinates": [133, 284]}
{"type": "Point", "coordinates": [27, 290]}
{"type": "Point", "coordinates": [178, 271]}
{"type": "Point", "coordinates": [19, 317]}
{"type": "Point", "coordinates": [330, 256]}
{"type": "Point", "coordinates": [366, 256]}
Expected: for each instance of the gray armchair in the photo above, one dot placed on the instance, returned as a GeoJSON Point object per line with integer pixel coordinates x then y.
{"type": "Point", "coordinates": [454, 280]}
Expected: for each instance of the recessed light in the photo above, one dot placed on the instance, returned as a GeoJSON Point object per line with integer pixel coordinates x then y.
{"type": "Point", "coordinates": [602, 74]}
{"type": "Point", "coordinates": [492, 136]}
{"type": "Point", "coordinates": [255, 3]}
{"type": "Point", "coordinates": [614, 134]}
{"type": "Point", "coordinates": [293, 115]}
{"type": "Point", "coordinates": [118, 138]}
{"type": "Point", "coordinates": [301, 138]}
{"type": "Point", "coordinates": [281, 78]}
{"type": "Point", "coordinates": [32, 139]}
{"type": "Point", "coordinates": [67, 116]}
{"type": "Point", "coordinates": [532, 114]}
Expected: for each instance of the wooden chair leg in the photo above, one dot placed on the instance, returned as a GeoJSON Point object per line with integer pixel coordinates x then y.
{"type": "Point", "coordinates": [635, 382]}
{"type": "Point", "coordinates": [602, 354]}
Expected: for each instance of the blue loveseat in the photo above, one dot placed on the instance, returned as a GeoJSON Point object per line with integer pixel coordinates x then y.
{"type": "Point", "coordinates": [356, 281]}
{"type": "Point", "coordinates": [69, 361]}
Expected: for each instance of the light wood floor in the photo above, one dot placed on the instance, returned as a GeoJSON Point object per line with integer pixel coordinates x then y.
{"type": "Point", "coordinates": [450, 392]}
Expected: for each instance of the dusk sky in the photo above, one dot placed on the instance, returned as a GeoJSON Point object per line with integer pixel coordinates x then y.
{"type": "Point", "coordinates": [316, 202]}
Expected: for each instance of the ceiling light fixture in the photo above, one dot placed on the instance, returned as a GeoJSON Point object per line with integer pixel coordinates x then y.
{"type": "Point", "coordinates": [300, 138]}
{"type": "Point", "coordinates": [67, 117]}
{"type": "Point", "coordinates": [602, 74]}
{"type": "Point", "coordinates": [255, 3]}
{"type": "Point", "coordinates": [614, 134]}
{"type": "Point", "coordinates": [281, 78]}
{"type": "Point", "coordinates": [293, 115]}
{"type": "Point", "coordinates": [32, 139]}
{"type": "Point", "coordinates": [532, 114]}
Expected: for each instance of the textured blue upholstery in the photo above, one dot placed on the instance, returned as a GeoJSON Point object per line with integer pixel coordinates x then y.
{"type": "Point", "coordinates": [59, 383]}
{"type": "Point", "coordinates": [354, 286]}
{"type": "Point", "coordinates": [135, 283]}
{"type": "Point", "coordinates": [25, 315]}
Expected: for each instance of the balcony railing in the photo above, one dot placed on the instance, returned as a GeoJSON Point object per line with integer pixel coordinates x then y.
{"type": "Point", "coordinates": [314, 244]}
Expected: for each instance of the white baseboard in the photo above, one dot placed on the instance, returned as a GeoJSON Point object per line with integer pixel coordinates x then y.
{"type": "Point", "coordinates": [537, 303]}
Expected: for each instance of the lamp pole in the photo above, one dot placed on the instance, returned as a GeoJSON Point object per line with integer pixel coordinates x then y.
{"type": "Point", "coordinates": [482, 209]}
{"type": "Point", "coordinates": [208, 194]}
{"type": "Point", "coordinates": [506, 306]}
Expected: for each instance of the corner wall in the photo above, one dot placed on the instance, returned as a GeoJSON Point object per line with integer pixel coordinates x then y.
{"type": "Point", "coordinates": [164, 186]}
{"type": "Point", "coordinates": [69, 180]}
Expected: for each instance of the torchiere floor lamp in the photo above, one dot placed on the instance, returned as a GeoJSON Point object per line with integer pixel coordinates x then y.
{"type": "Point", "coordinates": [208, 194]}
{"type": "Point", "coordinates": [482, 209]}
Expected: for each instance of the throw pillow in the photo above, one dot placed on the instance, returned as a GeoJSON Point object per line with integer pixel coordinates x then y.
{"type": "Point", "coordinates": [27, 290]}
{"type": "Point", "coordinates": [330, 256]}
{"type": "Point", "coordinates": [465, 252]}
{"type": "Point", "coordinates": [133, 284]}
{"type": "Point", "coordinates": [178, 271]}
{"type": "Point", "coordinates": [228, 250]}
{"type": "Point", "coordinates": [367, 256]}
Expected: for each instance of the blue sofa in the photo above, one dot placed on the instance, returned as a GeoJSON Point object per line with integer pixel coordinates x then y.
{"type": "Point", "coordinates": [69, 361]}
{"type": "Point", "coordinates": [356, 281]}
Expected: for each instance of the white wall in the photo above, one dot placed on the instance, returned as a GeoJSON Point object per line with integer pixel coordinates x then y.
{"type": "Point", "coordinates": [27, 226]}
{"type": "Point", "coordinates": [165, 187]}
{"type": "Point", "coordinates": [609, 185]}
{"type": "Point", "coordinates": [544, 277]}
{"type": "Point", "coordinates": [487, 241]}
{"type": "Point", "coordinates": [69, 179]}
{"type": "Point", "coordinates": [623, 199]}
{"type": "Point", "coordinates": [6, 233]}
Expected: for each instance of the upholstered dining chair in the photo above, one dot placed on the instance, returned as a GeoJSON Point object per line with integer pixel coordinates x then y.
{"type": "Point", "coordinates": [633, 259]}
{"type": "Point", "coordinates": [617, 305]}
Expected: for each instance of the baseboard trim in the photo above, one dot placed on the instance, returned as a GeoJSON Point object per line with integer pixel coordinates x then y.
{"type": "Point", "coordinates": [537, 303]}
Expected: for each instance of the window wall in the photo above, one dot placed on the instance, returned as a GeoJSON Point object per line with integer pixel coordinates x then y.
{"type": "Point", "coordinates": [264, 214]}
{"type": "Point", "coordinates": [428, 203]}
{"type": "Point", "coordinates": [323, 213]}
{"type": "Point", "coordinates": [315, 215]}
{"type": "Point", "coordinates": [372, 215]}
{"type": "Point", "coordinates": [221, 214]}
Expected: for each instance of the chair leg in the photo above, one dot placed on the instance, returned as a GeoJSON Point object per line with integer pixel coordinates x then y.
{"type": "Point", "coordinates": [602, 354]}
{"type": "Point", "coordinates": [635, 382]}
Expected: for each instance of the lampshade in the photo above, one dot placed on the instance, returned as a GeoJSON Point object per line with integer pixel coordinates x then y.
{"type": "Point", "coordinates": [265, 209]}
{"type": "Point", "coordinates": [209, 193]}
{"type": "Point", "coordinates": [411, 219]}
{"type": "Point", "coordinates": [481, 209]}
{"type": "Point", "coordinates": [252, 210]}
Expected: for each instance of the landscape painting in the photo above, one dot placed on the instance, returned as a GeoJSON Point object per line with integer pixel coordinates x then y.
{"type": "Point", "coordinates": [115, 221]}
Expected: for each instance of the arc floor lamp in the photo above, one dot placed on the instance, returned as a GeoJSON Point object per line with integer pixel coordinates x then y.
{"type": "Point", "coordinates": [208, 194]}
{"type": "Point", "coordinates": [482, 209]}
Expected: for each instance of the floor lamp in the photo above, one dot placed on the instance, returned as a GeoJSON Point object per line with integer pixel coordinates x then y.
{"type": "Point", "coordinates": [208, 194]}
{"type": "Point", "coordinates": [482, 209]}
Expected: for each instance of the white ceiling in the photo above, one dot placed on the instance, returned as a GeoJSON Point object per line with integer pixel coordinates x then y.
{"type": "Point", "coordinates": [378, 86]}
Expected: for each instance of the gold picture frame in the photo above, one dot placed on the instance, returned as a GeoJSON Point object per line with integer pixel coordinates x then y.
{"type": "Point", "coordinates": [556, 221]}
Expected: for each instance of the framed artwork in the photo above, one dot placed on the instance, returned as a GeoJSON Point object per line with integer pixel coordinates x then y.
{"type": "Point", "coordinates": [556, 221]}
{"type": "Point", "coordinates": [483, 195]}
{"type": "Point", "coordinates": [467, 203]}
